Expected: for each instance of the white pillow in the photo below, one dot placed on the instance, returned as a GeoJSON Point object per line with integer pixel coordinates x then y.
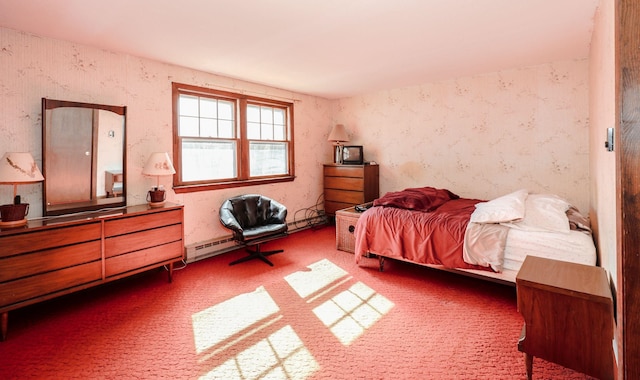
{"type": "Point", "coordinates": [506, 208]}
{"type": "Point", "coordinates": [544, 212]}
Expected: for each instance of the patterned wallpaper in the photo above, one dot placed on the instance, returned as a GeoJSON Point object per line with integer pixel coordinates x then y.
{"type": "Point", "coordinates": [32, 67]}
{"type": "Point", "coordinates": [481, 136]}
{"type": "Point", "coordinates": [602, 116]}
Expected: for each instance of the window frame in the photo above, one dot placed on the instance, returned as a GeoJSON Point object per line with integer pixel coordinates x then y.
{"type": "Point", "coordinates": [242, 155]}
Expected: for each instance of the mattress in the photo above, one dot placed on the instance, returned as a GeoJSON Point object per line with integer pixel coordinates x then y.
{"type": "Point", "coordinates": [576, 247]}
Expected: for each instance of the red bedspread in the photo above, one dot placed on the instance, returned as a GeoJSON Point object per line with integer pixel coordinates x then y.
{"type": "Point", "coordinates": [435, 237]}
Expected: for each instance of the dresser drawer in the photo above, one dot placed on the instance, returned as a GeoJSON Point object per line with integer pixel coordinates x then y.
{"type": "Point", "coordinates": [27, 288]}
{"type": "Point", "coordinates": [29, 264]}
{"type": "Point", "coordinates": [345, 196]}
{"type": "Point", "coordinates": [121, 244]}
{"type": "Point", "coordinates": [344, 183]}
{"type": "Point", "coordinates": [142, 258]}
{"type": "Point", "coordinates": [51, 238]}
{"type": "Point", "coordinates": [344, 171]}
{"type": "Point", "coordinates": [142, 222]}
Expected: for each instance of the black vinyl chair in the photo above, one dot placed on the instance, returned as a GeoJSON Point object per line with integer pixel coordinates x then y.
{"type": "Point", "coordinates": [254, 219]}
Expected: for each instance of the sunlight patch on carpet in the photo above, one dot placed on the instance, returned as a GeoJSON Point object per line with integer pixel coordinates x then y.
{"type": "Point", "coordinates": [281, 355]}
{"type": "Point", "coordinates": [322, 274]}
{"type": "Point", "coordinates": [244, 326]}
{"type": "Point", "coordinates": [220, 322]}
{"type": "Point", "coordinates": [351, 312]}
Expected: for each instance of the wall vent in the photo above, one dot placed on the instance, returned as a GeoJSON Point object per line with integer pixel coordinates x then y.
{"type": "Point", "coordinates": [217, 246]}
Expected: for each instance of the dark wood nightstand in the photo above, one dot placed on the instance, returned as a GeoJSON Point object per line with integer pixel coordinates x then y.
{"type": "Point", "coordinates": [568, 316]}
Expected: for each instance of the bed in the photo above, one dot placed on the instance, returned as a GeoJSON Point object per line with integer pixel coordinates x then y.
{"type": "Point", "coordinates": [487, 239]}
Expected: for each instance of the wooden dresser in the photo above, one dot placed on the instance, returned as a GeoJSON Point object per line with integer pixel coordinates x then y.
{"type": "Point", "coordinates": [349, 185]}
{"type": "Point", "coordinates": [568, 316]}
{"type": "Point", "coordinates": [57, 256]}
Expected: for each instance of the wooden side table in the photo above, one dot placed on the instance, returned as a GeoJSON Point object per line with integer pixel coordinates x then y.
{"type": "Point", "coordinates": [346, 220]}
{"type": "Point", "coordinates": [568, 314]}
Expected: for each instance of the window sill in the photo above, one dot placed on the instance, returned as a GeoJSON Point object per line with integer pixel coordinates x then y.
{"type": "Point", "coordinates": [227, 185]}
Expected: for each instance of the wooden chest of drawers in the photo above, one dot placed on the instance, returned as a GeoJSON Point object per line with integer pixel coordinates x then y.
{"type": "Point", "coordinates": [49, 258]}
{"type": "Point", "coordinates": [349, 185]}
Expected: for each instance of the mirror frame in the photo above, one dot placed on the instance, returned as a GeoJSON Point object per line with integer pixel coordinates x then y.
{"type": "Point", "coordinates": [94, 204]}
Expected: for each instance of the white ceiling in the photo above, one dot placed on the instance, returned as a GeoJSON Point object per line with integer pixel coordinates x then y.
{"type": "Point", "coordinates": [328, 48]}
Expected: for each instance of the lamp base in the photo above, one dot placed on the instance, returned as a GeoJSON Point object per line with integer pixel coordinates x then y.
{"type": "Point", "coordinates": [14, 212]}
{"type": "Point", "coordinates": [156, 197]}
{"type": "Point", "coordinates": [13, 223]}
{"type": "Point", "coordinates": [337, 154]}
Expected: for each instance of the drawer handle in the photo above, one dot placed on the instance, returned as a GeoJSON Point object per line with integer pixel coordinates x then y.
{"type": "Point", "coordinates": [351, 229]}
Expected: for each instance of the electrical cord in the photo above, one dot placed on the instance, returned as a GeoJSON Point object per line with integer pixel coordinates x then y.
{"type": "Point", "coordinates": [313, 216]}
{"type": "Point", "coordinates": [184, 265]}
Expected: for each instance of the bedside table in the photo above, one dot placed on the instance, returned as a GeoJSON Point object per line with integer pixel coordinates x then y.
{"type": "Point", "coordinates": [568, 316]}
{"type": "Point", "coordinates": [346, 220]}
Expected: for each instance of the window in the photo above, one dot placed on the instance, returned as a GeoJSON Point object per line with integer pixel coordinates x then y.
{"type": "Point", "coordinates": [225, 139]}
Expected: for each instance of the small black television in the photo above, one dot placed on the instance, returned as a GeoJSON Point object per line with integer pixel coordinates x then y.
{"type": "Point", "coordinates": [352, 155]}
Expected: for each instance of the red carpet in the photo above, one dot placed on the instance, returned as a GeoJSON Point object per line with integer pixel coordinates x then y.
{"type": "Point", "coordinates": [314, 315]}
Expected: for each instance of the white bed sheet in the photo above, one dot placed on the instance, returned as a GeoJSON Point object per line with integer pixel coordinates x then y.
{"type": "Point", "coordinates": [575, 246]}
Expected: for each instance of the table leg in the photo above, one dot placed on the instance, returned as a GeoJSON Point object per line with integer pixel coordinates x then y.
{"type": "Point", "coordinates": [4, 324]}
{"type": "Point", "coordinates": [170, 269]}
{"type": "Point", "coordinates": [528, 362]}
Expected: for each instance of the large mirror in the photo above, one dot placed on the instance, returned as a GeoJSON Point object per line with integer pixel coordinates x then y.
{"type": "Point", "coordinates": [83, 156]}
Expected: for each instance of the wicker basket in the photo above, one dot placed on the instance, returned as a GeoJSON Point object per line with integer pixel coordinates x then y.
{"type": "Point", "coordinates": [346, 220]}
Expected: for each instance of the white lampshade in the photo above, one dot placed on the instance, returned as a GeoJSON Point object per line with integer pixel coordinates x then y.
{"type": "Point", "coordinates": [159, 164]}
{"type": "Point", "coordinates": [338, 134]}
{"type": "Point", "coordinates": [19, 167]}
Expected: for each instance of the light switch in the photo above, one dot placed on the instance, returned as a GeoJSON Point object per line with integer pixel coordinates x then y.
{"type": "Point", "coordinates": [609, 143]}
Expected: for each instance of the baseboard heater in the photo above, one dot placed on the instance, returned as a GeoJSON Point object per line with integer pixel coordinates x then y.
{"type": "Point", "coordinates": [220, 245]}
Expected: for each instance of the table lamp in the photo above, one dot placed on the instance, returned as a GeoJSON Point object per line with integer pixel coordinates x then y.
{"type": "Point", "coordinates": [338, 135]}
{"type": "Point", "coordinates": [17, 168]}
{"type": "Point", "coordinates": [159, 164]}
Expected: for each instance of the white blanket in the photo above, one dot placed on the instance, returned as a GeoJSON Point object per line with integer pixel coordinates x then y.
{"type": "Point", "coordinates": [484, 245]}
